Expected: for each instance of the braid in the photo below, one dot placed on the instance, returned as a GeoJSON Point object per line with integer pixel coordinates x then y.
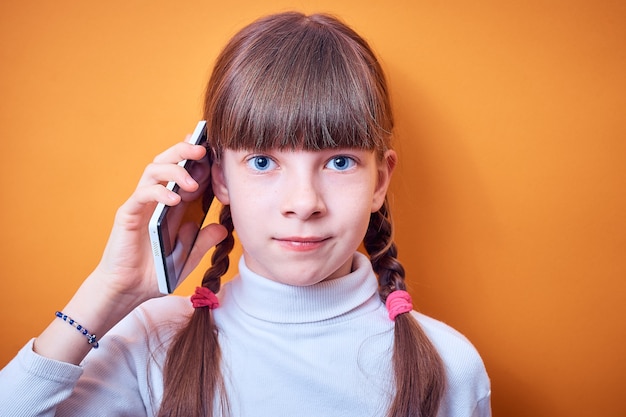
{"type": "Point", "coordinates": [418, 369]}
{"type": "Point", "coordinates": [383, 252]}
{"type": "Point", "coordinates": [192, 376]}
{"type": "Point", "coordinates": [220, 260]}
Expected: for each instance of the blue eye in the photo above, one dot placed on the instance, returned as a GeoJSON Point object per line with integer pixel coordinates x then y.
{"type": "Point", "coordinates": [261, 163]}
{"type": "Point", "coordinates": [341, 163]}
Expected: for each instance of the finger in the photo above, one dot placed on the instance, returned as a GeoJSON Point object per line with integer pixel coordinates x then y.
{"type": "Point", "coordinates": [143, 201]}
{"type": "Point", "coordinates": [156, 194]}
{"type": "Point", "coordinates": [163, 173]}
{"type": "Point", "coordinates": [179, 152]}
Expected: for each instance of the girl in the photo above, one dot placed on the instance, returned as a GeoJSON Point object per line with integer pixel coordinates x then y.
{"type": "Point", "coordinates": [300, 123]}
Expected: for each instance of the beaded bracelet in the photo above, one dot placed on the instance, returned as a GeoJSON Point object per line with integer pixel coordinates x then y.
{"type": "Point", "coordinates": [91, 338]}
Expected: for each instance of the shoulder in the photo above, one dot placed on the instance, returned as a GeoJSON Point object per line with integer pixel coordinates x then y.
{"type": "Point", "coordinates": [467, 380]}
{"type": "Point", "coordinates": [449, 341]}
{"type": "Point", "coordinates": [156, 320]}
{"type": "Point", "coordinates": [171, 308]}
{"type": "Point", "coordinates": [168, 311]}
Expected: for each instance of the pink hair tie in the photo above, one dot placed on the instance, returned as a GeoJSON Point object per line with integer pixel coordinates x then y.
{"type": "Point", "coordinates": [204, 297]}
{"type": "Point", "coordinates": [398, 302]}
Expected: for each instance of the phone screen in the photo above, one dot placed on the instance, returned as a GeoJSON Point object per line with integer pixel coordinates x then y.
{"type": "Point", "coordinates": [174, 229]}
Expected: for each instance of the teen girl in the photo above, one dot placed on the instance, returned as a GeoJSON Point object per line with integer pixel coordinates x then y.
{"type": "Point", "coordinates": [300, 123]}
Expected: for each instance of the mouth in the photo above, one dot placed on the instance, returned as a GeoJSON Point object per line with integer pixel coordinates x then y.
{"type": "Point", "coordinates": [301, 244]}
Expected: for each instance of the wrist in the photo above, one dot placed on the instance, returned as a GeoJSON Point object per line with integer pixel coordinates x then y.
{"type": "Point", "coordinates": [99, 304]}
{"type": "Point", "coordinates": [97, 307]}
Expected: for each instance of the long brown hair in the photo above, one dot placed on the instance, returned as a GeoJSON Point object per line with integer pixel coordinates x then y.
{"type": "Point", "coordinates": [299, 82]}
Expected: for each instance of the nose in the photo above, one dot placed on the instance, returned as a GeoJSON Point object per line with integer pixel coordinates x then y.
{"type": "Point", "coordinates": [302, 197]}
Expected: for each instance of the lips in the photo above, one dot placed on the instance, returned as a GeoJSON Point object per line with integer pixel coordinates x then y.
{"type": "Point", "coordinates": [301, 244]}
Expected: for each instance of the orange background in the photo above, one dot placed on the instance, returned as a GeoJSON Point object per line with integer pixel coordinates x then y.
{"type": "Point", "coordinates": [510, 197]}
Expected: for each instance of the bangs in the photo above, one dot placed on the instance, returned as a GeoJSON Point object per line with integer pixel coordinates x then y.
{"type": "Point", "coordinates": [300, 85]}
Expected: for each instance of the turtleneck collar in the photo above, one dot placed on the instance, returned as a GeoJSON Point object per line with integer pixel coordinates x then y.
{"type": "Point", "coordinates": [272, 301]}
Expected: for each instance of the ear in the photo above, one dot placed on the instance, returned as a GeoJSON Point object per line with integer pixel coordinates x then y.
{"type": "Point", "coordinates": [218, 181]}
{"type": "Point", "coordinates": [385, 169]}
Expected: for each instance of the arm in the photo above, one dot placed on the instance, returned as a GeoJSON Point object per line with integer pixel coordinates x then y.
{"type": "Point", "coordinates": [123, 279]}
{"type": "Point", "coordinates": [483, 407]}
{"type": "Point", "coordinates": [125, 276]}
{"type": "Point", "coordinates": [45, 382]}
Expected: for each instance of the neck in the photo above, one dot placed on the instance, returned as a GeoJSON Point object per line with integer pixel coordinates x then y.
{"type": "Point", "coordinates": [330, 299]}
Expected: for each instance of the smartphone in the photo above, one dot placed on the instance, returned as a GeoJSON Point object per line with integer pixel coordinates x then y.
{"type": "Point", "coordinates": [174, 229]}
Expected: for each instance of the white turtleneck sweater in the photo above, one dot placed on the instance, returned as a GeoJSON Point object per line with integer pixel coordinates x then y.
{"type": "Point", "coordinates": [321, 350]}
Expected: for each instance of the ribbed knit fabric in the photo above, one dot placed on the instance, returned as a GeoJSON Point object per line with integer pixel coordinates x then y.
{"type": "Point", "coordinates": [322, 350]}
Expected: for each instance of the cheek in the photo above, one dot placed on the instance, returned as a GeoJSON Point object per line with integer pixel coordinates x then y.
{"type": "Point", "coordinates": [355, 210]}
{"type": "Point", "coordinates": [364, 197]}
{"type": "Point", "coordinates": [250, 207]}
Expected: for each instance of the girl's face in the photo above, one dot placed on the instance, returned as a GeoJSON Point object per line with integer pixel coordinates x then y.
{"type": "Point", "coordinates": [301, 215]}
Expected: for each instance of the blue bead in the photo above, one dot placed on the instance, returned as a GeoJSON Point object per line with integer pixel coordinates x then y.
{"type": "Point", "coordinates": [91, 338]}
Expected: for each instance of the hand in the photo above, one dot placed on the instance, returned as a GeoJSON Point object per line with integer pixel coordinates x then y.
{"type": "Point", "coordinates": [127, 262]}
